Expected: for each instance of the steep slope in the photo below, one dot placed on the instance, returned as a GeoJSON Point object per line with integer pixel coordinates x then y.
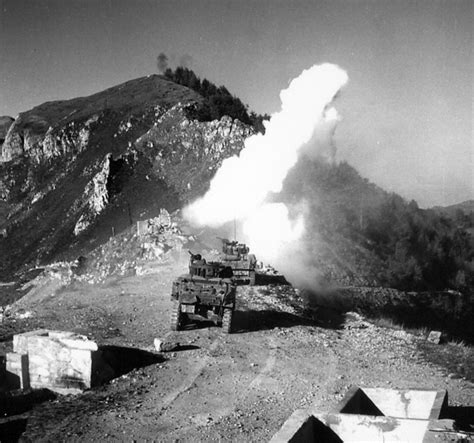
{"type": "Point", "coordinates": [75, 171]}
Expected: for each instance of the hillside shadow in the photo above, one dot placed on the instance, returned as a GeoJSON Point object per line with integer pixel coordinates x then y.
{"type": "Point", "coordinates": [327, 318]}
{"type": "Point", "coordinates": [11, 430]}
{"type": "Point", "coordinates": [463, 417]}
{"type": "Point", "coordinates": [253, 320]}
{"type": "Point", "coordinates": [197, 323]}
{"type": "Point", "coordinates": [111, 361]}
{"type": "Point", "coordinates": [269, 279]}
{"type": "Point", "coordinates": [18, 402]}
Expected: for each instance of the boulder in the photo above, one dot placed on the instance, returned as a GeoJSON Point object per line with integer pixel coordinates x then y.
{"type": "Point", "coordinates": [164, 345]}
{"type": "Point", "coordinates": [434, 337]}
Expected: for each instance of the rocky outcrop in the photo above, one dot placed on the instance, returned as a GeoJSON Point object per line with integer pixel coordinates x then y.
{"type": "Point", "coordinates": [187, 153]}
{"type": "Point", "coordinates": [95, 198]}
{"type": "Point", "coordinates": [5, 123]}
{"type": "Point", "coordinates": [38, 145]}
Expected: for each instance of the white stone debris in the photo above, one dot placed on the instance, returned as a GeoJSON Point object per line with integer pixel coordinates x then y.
{"type": "Point", "coordinates": [164, 345]}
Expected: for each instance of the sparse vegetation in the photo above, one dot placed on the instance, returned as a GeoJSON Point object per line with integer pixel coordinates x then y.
{"type": "Point", "coordinates": [390, 323]}
{"type": "Point", "coordinates": [420, 249]}
{"type": "Point", "coordinates": [455, 356]}
{"type": "Point", "coordinates": [219, 101]}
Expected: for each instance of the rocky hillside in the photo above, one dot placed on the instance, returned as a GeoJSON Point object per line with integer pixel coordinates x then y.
{"type": "Point", "coordinates": [73, 172]}
{"type": "Point", "coordinates": [5, 123]}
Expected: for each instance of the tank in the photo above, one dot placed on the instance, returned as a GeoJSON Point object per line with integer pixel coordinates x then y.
{"type": "Point", "coordinates": [206, 292]}
{"type": "Point", "coordinates": [237, 256]}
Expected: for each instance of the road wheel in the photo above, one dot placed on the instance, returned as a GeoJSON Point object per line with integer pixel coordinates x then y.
{"type": "Point", "coordinates": [176, 316]}
{"type": "Point", "coordinates": [227, 320]}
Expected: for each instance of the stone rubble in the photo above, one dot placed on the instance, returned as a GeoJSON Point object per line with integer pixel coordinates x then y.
{"type": "Point", "coordinates": [165, 345]}
{"type": "Point", "coordinates": [434, 337]}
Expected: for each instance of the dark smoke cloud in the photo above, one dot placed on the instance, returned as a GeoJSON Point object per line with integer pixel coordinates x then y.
{"type": "Point", "coordinates": [162, 62]}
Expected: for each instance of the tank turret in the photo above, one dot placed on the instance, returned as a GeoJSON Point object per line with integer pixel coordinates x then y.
{"type": "Point", "coordinates": [237, 256]}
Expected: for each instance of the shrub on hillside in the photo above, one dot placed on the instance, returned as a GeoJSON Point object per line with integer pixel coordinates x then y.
{"type": "Point", "coordinates": [219, 101]}
{"type": "Point", "coordinates": [420, 249]}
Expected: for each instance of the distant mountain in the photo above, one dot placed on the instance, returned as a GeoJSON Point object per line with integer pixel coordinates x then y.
{"type": "Point", "coordinates": [466, 207]}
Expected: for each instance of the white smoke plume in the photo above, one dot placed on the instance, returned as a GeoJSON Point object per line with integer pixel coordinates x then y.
{"type": "Point", "coordinates": [242, 185]}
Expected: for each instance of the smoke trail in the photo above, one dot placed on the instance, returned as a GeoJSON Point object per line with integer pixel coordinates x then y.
{"type": "Point", "coordinates": [243, 183]}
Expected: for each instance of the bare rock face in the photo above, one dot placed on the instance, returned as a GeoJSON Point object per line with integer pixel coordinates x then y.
{"type": "Point", "coordinates": [28, 138]}
{"type": "Point", "coordinates": [5, 123]}
{"type": "Point", "coordinates": [184, 151]}
{"type": "Point", "coordinates": [95, 197]}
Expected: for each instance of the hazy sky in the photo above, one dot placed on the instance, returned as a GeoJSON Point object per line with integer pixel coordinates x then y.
{"type": "Point", "coordinates": [407, 110]}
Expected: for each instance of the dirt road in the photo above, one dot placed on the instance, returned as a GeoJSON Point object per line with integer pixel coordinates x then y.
{"type": "Point", "coordinates": [238, 387]}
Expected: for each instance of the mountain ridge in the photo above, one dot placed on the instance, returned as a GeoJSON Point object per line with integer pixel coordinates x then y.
{"type": "Point", "coordinates": [63, 169]}
{"type": "Point", "coordinates": [73, 177]}
{"type": "Point", "coordinates": [466, 206]}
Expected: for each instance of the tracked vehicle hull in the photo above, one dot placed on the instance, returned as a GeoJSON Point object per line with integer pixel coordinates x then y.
{"type": "Point", "coordinates": [207, 292]}
{"type": "Point", "coordinates": [236, 256]}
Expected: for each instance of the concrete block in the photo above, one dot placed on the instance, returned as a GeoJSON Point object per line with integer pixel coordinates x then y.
{"type": "Point", "coordinates": [295, 428]}
{"type": "Point", "coordinates": [354, 427]}
{"type": "Point", "coordinates": [64, 354]}
{"type": "Point", "coordinates": [60, 334]}
{"type": "Point", "coordinates": [76, 343]}
{"type": "Point", "coordinates": [372, 414]}
{"type": "Point", "coordinates": [20, 340]}
{"type": "Point", "coordinates": [400, 403]}
{"type": "Point", "coordinates": [336, 428]}
{"type": "Point", "coordinates": [17, 370]}
{"type": "Point", "coordinates": [39, 382]}
{"type": "Point", "coordinates": [57, 360]}
{"type": "Point", "coordinates": [41, 371]}
{"type": "Point", "coordinates": [80, 366]}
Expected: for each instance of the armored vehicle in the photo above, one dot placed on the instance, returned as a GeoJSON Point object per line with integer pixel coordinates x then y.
{"type": "Point", "coordinates": [237, 256]}
{"type": "Point", "coordinates": [207, 291]}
